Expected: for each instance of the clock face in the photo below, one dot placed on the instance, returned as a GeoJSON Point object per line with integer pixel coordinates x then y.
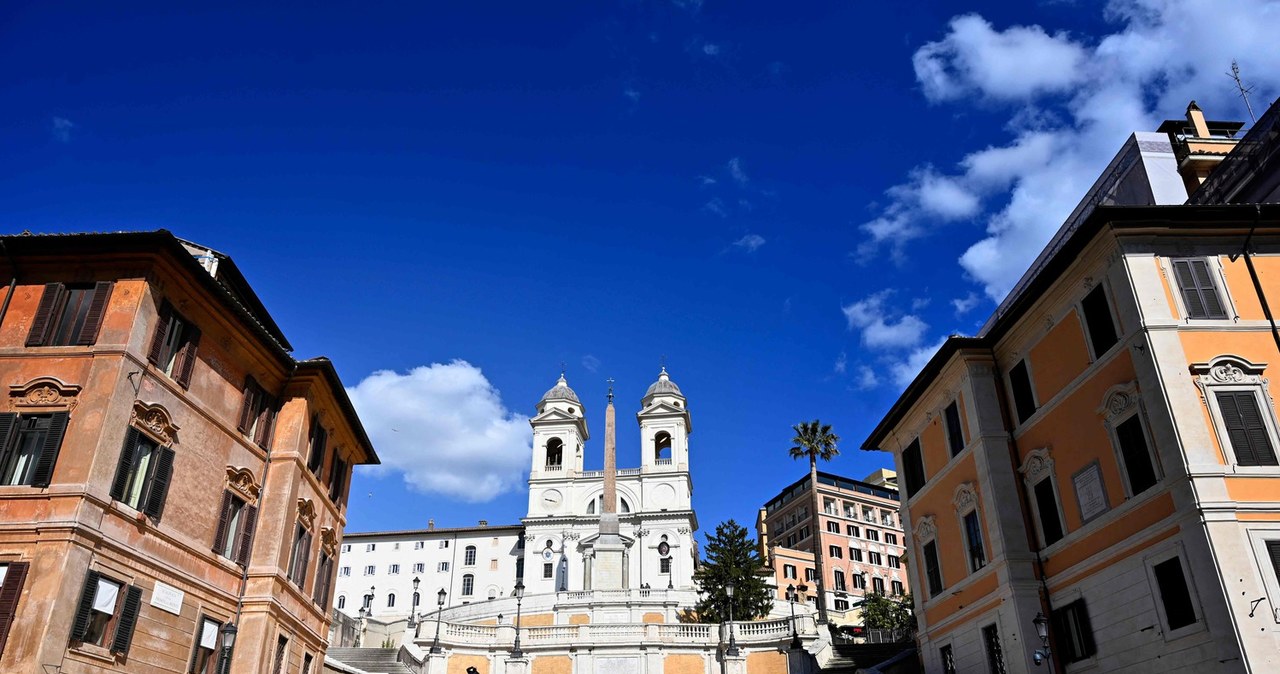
{"type": "Point", "coordinates": [551, 499]}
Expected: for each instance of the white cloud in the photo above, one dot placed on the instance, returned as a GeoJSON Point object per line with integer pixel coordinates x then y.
{"type": "Point", "coordinates": [631, 94]}
{"type": "Point", "coordinates": [964, 305]}
{"type": "Point", "coordinates": [905, 370]}
{"type": "Point", "coordinates": [880, 330]}
{"type": "Point", "coordinates": [690, 5]}
{"type": "Point", "coordinates": [61, 127]}
{"type": "Point", "coordinates": [920, 303]}
{"type": "Point", "coordinates": [591, 363]}
{"type": "Point", "coordinates": [750, 242]}
{"type": "Point", "coordinates": [736, 171]}
{"type": "Point", "coordinates": [1071, 104]}
{"type": "Point", "coordinates": [444, 428]}
{"type": "Point", "coordinates": [842, 363]}
{"type": "Point", "coordinates": [867, 378]}
{"type": "Point", "coordinates": [716, 206]}
{"type": "Point", "coordinates": [711, 49]}
{"type": "Point", "coordinates": [706, 181]}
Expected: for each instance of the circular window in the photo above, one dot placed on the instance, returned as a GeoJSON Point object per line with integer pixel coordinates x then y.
{"type": "Point", "coordinates": [664, 548]}
{"type": "Point", "coordinates": [572, 411]}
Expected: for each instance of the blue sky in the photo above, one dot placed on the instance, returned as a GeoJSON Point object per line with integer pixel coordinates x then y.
{"type": "Point", "coordinates": [792, 202]}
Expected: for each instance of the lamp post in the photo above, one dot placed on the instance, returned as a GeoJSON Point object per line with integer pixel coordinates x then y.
{"type": "Point", "coordinates": [516, 652]}
{"type": "Point", "coordinates": [228, 643]}
{"type": "Point", "coordinates": [435, 643]}
{"type": "Point", "coordinates": [1042, 631]}
{"type": "Point", "coordinates": [413, 606]}
{"type": "Point", "coordinates": [640, 534]}
{"type": "Point", "coordinates": [732, 650]}
{"type": "Point", "coordinates": [795, 632]}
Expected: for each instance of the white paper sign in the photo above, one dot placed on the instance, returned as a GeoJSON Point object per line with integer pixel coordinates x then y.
{"type": "Point", "coordinates": [167, 598]}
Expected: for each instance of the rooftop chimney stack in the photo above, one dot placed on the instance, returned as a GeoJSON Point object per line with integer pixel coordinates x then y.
{"type": "Point", "coordinates": [1195, 117]}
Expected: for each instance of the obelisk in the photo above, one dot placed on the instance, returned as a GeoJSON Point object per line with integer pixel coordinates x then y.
{"type": "Point", "coordinates": [607, 567]}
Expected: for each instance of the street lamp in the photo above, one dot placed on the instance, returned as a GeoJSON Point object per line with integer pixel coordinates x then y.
{"type": "Point", "coordinates": [435, 643]}
{"type": "Point", "coordinates": [795, 633]}
{"type": "Point", "coordinates": [516, 652]}
{"type": "Point", "coordinates": [228, 642]}
{"type": "Point", "coordinates": [413, 606]}
{"type": "Point", "coordinates": [1042, 631]}
{"type": "Point", "coordinates": [732, 650]}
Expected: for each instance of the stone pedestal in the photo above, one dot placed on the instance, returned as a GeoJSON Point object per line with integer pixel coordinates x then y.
{"type": "Point", "coordinates": [515, 665]}
{"type": "Point", "coordinates": [607, 565]}
{"type": "Point", "coordinates": [436, 663]}
{"type": "Point", "coordinates": [734, 664]}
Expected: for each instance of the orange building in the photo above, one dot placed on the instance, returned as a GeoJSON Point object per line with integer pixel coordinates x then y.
{"type": "Point", "coordinates": [167, 469]}
{"type": "Point", "coordinates": [861, 536]}
{"type": "Point", "coordinates": [1103, 454]}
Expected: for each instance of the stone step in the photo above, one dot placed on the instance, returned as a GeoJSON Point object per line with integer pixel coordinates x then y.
{"type": "Point", "coordinates": [372, 660]}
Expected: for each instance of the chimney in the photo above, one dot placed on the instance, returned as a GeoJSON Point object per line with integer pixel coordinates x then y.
{"type": "Point", "coordinates": [1195, 117]}
{"type": "Point", "coordinates": [484, 523]}
{"type": "Point", "coordinates": [431, 525]}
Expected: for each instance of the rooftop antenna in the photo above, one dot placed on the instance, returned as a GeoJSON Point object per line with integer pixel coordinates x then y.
{"type": "Point", "coordinates": [1244, 91]}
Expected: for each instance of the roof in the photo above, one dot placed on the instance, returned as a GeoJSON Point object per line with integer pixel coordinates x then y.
{"type": "Point", "coordinates": [430, 532]}
{"type": "Point", "coordinates": [831, 479]}
{"type": "Point", "coordinates": [1238, 217]}
{"type": "Point", "coordinates": [1178, 125]}
{"type": "Point", "coordinates": [664, 386]}
{"type": "Point", "coordinates": [560, 391]}
{"type": "Point", "coordinates": [326, 369]}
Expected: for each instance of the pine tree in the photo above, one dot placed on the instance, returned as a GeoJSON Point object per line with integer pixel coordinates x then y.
{"type": "Point", "coordinates": [732, 558]}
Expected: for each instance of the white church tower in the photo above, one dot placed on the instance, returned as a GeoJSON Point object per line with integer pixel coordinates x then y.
{"type": "Point", "coordinates": [664, 427]}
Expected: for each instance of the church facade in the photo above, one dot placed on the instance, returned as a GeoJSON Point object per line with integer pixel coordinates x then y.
{"type": "Point", "coordinates": [565, 542]}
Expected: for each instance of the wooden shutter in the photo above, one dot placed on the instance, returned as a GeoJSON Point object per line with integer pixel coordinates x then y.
{"type": "Point", "coordinates": [160, 478]}
{"type": "Point", "coordinates": [84, 612]}
{"type": "Point", "coordinates": [97, 310]}
{"type": "Point", "coordinates": [1097, 318]}
{"type": "Point", "coordinates": [121, 480]}
{"type": "Point", "coordinates": [187, 357]}
{"type": "Point", "coordinates": [1199, 295]}
{"type": "Point", "coordinates": [224, 520]}
{"type": "Point", "coordinates": [1250, 440]}
{"type": "Point", "coordinates": [249, 405]}
{"type": "Point", "coordinates": [10, 592]}
{"type": "Point", "coordinates": [162, 332]}
{"type": "Point", "coordinates": [42, 475]}
{"type": "Point", "coordinates": [338, 479]}
{"type": "Point", "coordinates": [8, 422]}
{"type": "Point", "coordinates": [304, 558]}
{"type": "Point", "coordinates": [324, 577]}
{"type": "Point", "coordinates": [128, 621]}
{"type": "Point", "coordinates": [1273, 551]}
{"type": "Point", "coordinates": [1024, 401]}
{"type": "Point", "coordinates": [266, 422]}
{"type": "Point", "coordinates": [248, 518]}
{"type": "Point", "coordinates": [42, 323]}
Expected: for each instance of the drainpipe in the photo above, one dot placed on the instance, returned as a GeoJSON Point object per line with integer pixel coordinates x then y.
{"type": "Point", "coordinates": [13, 282]}
{"type": "Point", "coordinates": [1253, 274]}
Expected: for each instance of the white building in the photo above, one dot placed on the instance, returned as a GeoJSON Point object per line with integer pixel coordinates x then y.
{"type": "Point", "coordinates": [551, 548]}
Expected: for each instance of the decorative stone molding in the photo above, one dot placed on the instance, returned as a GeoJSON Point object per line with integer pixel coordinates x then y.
{"type": "Point", "coordinates": [306, 513]}
{"type": "Point", "coordinates": [1087, 283]}
{"type": "Point", "coordinates": [1230, 370]}
{"type": "Point", "coordinates": [155, 419]}
{"type": "Point", "coordinates": [241, 481]}
{"type": "Point", "coordinates": [925, 529]}
{"type": "Point", "coordinates": [328, 541]}
{"type": "Point", "coordinates": [684, 530]}
{"type": "Point", "coordinates": [1037, 465]}
{"type": "Point", "coordinates": [44, 392]}
{"type": "Point", "coordinates": [966, 497]}
{"type": "Point", "coordinates": [1119, 400]}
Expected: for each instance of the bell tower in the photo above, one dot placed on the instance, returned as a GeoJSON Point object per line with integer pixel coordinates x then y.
{"type": "Point", "coordinates": [664, 427]}
{"type": "Point", "coordinates": [559, 431]}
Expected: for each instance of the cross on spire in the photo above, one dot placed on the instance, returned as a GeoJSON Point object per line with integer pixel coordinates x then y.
{"type": "Point", "coordinates": [610, 380]}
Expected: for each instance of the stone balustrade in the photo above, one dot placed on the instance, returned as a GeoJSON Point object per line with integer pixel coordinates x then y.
{"type": "Point", "coordinates": [563, 637]}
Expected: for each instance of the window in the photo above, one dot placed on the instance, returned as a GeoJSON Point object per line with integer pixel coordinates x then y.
{"type": "Point", "coordinates": [995, 656]}
{"type": "Point", "coordinates": [851, 530]}
{"type": "Point", "coordinates": [548, 570]}
{"type": "Point", "coordinates": [319, 442]}
{"type": "Point", "coordinates": [29, 446]}
{"type": "Point", "coordinates": [173, 346]}
{"type": "Point", "coordinates": [368, 602]}
{"type": "Point", "coordinates": [107, 613]}
{"type": "Point", "coordinates": [469, 556]}
{"type": "Point", "coordinates": [1200, 298]}
{"type": "Point", "coordinates": [69, 315]}
{"type": "Point", "coordinates": [417, 599]}
{"type": "Point", "coordinates": [897, 587]}
{"type": "Point", "coordinates": [873, 535]}
{"type": "Point", "coordinates": [418, 545]}
{"type": "Point", "coordinates": [874, 558]}
{"type": "Point", "coordinates": [205, 658]}
{"type": "Point", "coordinates": [1175, 594]}
{"type": "Point", "coordinates": [948, 660]}
{"type": "Point", "coordinates": [842, 604]}
{"type": "Point", "coordinates": [442, 566]}
{"type": "Point", "coordinates": [1273, 552]}
{"type": "Point", "coordinates": [855, 554]}
{"type": "Point", "coordinates": [1139, 471]}
{"type": "Point", "coordinates": [391, 600]}
{"type": "Point", "coordinates": [234, 536]}
{"type": "Point", "coordinates": [788, 570]}
{"type": "Point", "coordinates": [912, 468]}
{"type": "Point", "coordinates": [895, 562]}
{"type": "Point", "coordinates": [12, 577]}
{"type": "Point", "coordinates": [931, 569]}
{"type": "Point", "coordinates": [143, 474]}
{"type": "Point", "coordinates": [342, 601]}
{"type": "Point", "coordinates": [257, 414]}
{"type": "Point", "coordinates": [444, 544]}
{"type": "Point", "coordinates": [877, 585]}
{"type": "Point", "coordinates": [834, 552]}
{"type": "Point", "coordinates": [891, 539]}
{"type": "Point", "coordinates": [839, 578]}
{"type": "Point", "coordinates": [337, 476]}
{"type": "Point", "coordinates": [282, 648]}
{"type": "Point", "coordinates": [394, 570]}
{"type": "Point", "coordinates": [324, 579]}
{"type": "Point", "coordinates": [1047, 509]}
{"type": "Point", "coordinates": [468, 585]}
{"type": "Point", "coordinates": [973, 541]}
{"type": "Point", "coordinates": [370, 547]}
{"type": "Point", "coordinates": [1247, 433]}
{"type": "Point", "coordinates": [299, 555]}
{"type": "Point", "coordinates": [810, 575]}
{"type": "Point", "coordinates": [833, 527]}
{"type": "Point", "coordinates": [420, 567]}
{"type": "Point", "coordinates": [369, 570]}
{"type": "Point", "coordinates": [1072, 634]}
{"type": "Point", "coordinates": [306, 663]}
{"type": "Point", "coordinates": [1098, 321]}
{"type": "Point", "coordinates": [859, 581]}
{"type": "Point", "coordinates": [955, 434]}
{"type": "Point", "coordinates": [1024, 400]}
{"type": "Point", "coordinates": [555, 453]}
{"type": "Point", "coordinates": [344, 571]}
{"type": "Point", "coordinates": [346, 547]}
{"type": "Point", "coordinates": [493, 565]}
{"type": "Point", "coordinates": [664, 565]}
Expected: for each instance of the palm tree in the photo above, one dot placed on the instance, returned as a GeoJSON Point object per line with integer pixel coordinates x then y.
{"type": "Point", "coordinates": [816, 441]}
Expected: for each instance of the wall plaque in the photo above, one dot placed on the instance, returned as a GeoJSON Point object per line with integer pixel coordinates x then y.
{"type": "Point", "coordinates": [167, 598]}
{"type": "Point", "coordinates": [1090, 493]}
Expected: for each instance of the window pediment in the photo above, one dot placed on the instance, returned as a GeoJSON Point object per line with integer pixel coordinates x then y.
{"type": "Point", "coordinates": [49, 392]}
{"type": "Point", "coordinates": [926, 529]}
{"type": "Point", "coordinates": [1229, 369]}
{"type": "Point", "coordinates": [241, 481]}
{"type": "Point", "coordinates": [306, 513]}
{"type": "Point", "coordinates": [1119, 400]}
{"type": "Point", "coordinates": [966, 497]}
{"type": "Point", "coordinates": [155, 420]}
{"type": "Point", "coordinates": [1037, 466]}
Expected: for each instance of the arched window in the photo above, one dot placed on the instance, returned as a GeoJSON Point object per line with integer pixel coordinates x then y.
{"type": "Point", "coordinates": [368, 602]}
{"type": "Point", "coordinates": [342, 601]}
{"type": "Point", "coordinates": [468, 585]}
{"type": "Point", "coordinates": [493, 593]}
{"type": "Point", "coordinates": [391, 600]}
{"type": "Point", "coordinates": [555, 453]}
{"type": "Point", "coordinates": [469, 556]}
{"type": "Point", "coordinates": [662, 447]}
{"type": "Point", "coordinates": [598, 504]}
{"type": "Point", "coordinates": [417, 599]}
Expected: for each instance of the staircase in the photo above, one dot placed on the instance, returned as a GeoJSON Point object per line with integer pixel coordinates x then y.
{"type": "Point", "coordinates": [848, 658]}
{"type": "Point", "coordinates": [371, 660]}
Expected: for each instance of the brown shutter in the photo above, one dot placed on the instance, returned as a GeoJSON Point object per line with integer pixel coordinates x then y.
{"type": "Point", "coordinates": [224, 519]}
{"type": "Point", "coordinates": [120, 482]}
{"type": "Point", "coordinates": [305, 559]}
{"type": "Point", "coordinates": [1273, 551]}
{"type": "Point", "coordinates": [10, 592]}
{"type": "Point", "coordinates": [42, 475]}
{"type": "Point", "coordinates": [85, 610]}
{"type": "Point", "coordinates": [8, 422]}
{"type": "Point", "coordinates": [43, 320]}
{"type": "Point", "coordinates": [128, 620]}
{"type": "Point", "coordinates": [160, 479]}
{"type": "Point", "coordinates": [266, 422]}
{"type": "Point", "coordinates": [183, 369]}
{"type": "Point", "coordinates": [162, 332]}
{"type": "Point", "coordinates": [324, 576]}
{"type": "Point", "coordinates": [248, 518]}
{"type": "Point", "coordinates": [248, 405]}
{"type": "Point", "coordinates": [97, 309]}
